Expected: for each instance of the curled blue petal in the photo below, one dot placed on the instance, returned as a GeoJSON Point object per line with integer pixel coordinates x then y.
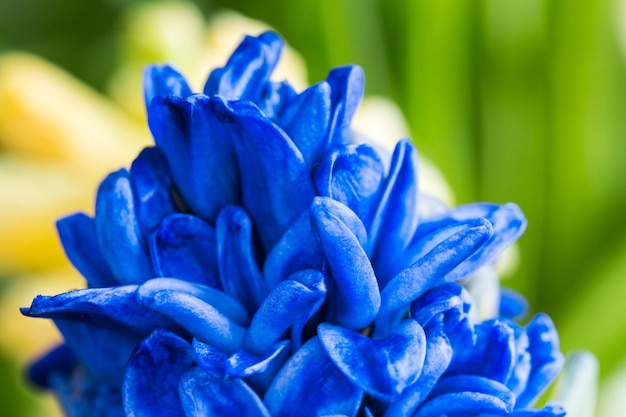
{"type": "Point", "coordinates": [199, 152]}
{"type": "Point", "coordinates": [467, 395]}
{"type": "Point", "coordinates": [354, 298]}
{"type": "Point", "coordinates": [309, 384]}
{"type": "Point", "coordinates": [292, 301]}
{"type": "Point", "coordinates": [210, 358]}
{"type": "Point", "coordinates": [306, 121]}
{"type": "Point", "coordinates": [163, 81]}
{"type": "Point", "coordinates": [382, 368]}
{"type": "Point", "coordinates": [445, 297]}
{"type": "Point", "coordinates": [201, 395]}
{"type": "Point", "coordinates": [238, 269]}
{"type": "Point", "coordinates": [428, 272]}
{"type": "Point", "coordinates": [152, 183]}
{"type": "Point", "coordinates": [276, 184]}
{"type": "Point", "coordinates": [352, 175]}
{"type": "Point", "coordinates": [119, 234]}
{"type": "Point", "coordinates": [243, 364]}
{"type": "Point", "coordinates": [185, 247]}
{"type": "Point", "coordinates": [346, 86]}
{"type": "Point", "coordinates": [80, 243]}
{"type": "Point", "coordinates": [396, 220]}
{"type": "Point", "coordinates": [153, 375]}
{"type": "Point", "coordinates": [545, 356]}
{"type": "Point", "coordinates": [202, 320]}
{"type": "Point", "coordinates": [248, 69]}
{"type": "Point", "coordinates": [437, 359]}
{"type": "Point", "coordinates": [227, 305]}
{"type": "Point", "coordinates": [493, 354]}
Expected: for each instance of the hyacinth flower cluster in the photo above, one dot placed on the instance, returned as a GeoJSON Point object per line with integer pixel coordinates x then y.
{"type": "Point", "coordinates": [255, 262]}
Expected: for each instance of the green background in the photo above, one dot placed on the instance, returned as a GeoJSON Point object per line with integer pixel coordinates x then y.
{"type": "Point", "coordinates": [514, 100]}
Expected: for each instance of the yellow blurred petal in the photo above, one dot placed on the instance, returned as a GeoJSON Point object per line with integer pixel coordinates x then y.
{"type": "Point", "coordinates": [35, 193]}
{"type": "Point", "coordinates": [46, 112]}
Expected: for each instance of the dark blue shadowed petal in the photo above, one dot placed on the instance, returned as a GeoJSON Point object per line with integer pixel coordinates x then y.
{"type": "Point", "coordinates": [275, 98]}
{"type": "Point", "coordinates": [163, 81]}
{"type": "Point", "coordinates": [202, 320]}
{"type": "Point", "coordinates": [352, 175]}
{"type": "Point", "coordinates": [306, 121]}
{"type": "Point", "coordinates": [346, 86]}
{"type": "Point", "coordinates": [153, 374]}
{"type": "Point", "coordinates": [109, 307]}
{"type": "Point", "coordinates": [438, 357]}
{"type": "Point", "coordinates": [104, 351]}
{"type": "Point", "coordinates": [199, 152]}
{"type": "Point", "coordinates": [203, 395]}
{"type": "Point", "coordinates": [226, 304]}
{"type": "Point", "coordinates": [546, 359]}
{"type": "Point", "coordinates": [248, 69]}
{"type": "Point", "coordinates": [185, 247]}
{"type": "Point", "coordinates": [467, 395]}
{"type": "Point", "coordinates": [512, 304]}
{"type": "Point", "coordinates": [238, 269]}
{"type": "Point", "coordinates": [492, 356]}
{"type": "Point", "coordinates": [296, 250]}
{"type": "Point", "coordinates": [60, 360]}
{"type": "Point", "coordinates": [382, 368]}
{"type": "Point", "coordinates": [210, 358]}
{"type": "Point", "coordinates": [396, 220]}
{"type": "Point", "coordinates": [428, 272]}
{"type": "Point", "coordinates": [276, 184]}
{"type": "Point", "coordinates": [292, 301]}
{"type": "Point", "coordinates": [152, 184]}
{"type": "Point", "coordinates": [353, 295]}
{"type": "Point", "coordinates": [119, 234]}
{"type": "Point", "coordinates": [309, 384]}
{"type": "Point", "coordinates": [80, 242]}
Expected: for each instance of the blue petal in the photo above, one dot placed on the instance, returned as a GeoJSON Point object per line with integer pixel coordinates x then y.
{"type": "Point", "coordinates": [546, 359]}
{"type": "Point", "coordinates": [512, 304]}
{"type": "Point", "coordinates": [243, 364]}
{"type": "Point", "coordinates": [275, 98]}
{"type": "Point", "coordinates": [210, 358]}
{"type": "Point", "coordinates": [346, 86]}
{"type": "Point", "coordinates": [438, 357]}
{"type": "Point", "coordinates": [248, 69]}
{"type": "Point", "coordinates": [60, 360]}
{"type": "Point", "coordinates": [552, 409]}
{"type": "Point", "coordinates": [276, 184]}
{"type": "Point", "coordinates": [199, 152]}
{"type": "Point", "coordinates": [202, 320]}
{"type": "Point", "coordinates": [185, 247]}
{"type": "Point", "coordinates": [396, 220]}
{"type": "Point", "coordinates": [354, 298]}
{"type": "Point", "coordinates": [441, 299]}
{"type": "Point", "coordinates": [238, 269]}
{"type": "Point", "coordinates": [227, 305]}
{"type": "Point", "coordinates": [108, 307]}
{"type": "Point", "coordinates": [203, 395]}
{"type": "Point", "coordinates": [296, 250]}
{"type": "Point", "coordinates": [163, 81]}
{"type": "Point", "coordinates": [508, 224]}
{"type": "Point", "coordinates": [467, 394]}
{"type": "Point", "coordinates": [151, 183]}
{"type": "Point", "coordinates": [306, 121]}
{"type": "Point", "coordinates": [382, 368]}
{"type": "Point", "coordinates": [353, 176]}
{"type": "Point", "coordinates": [309, 384]}
{"type": "Point", "coordinates": [119, 233]}
{"type": "Point", "coordinates": [153, 374]}
{"type": "Point", "coordinates": [292, 301]}
{"type": "Point", "coordinates": [80, 242]}
{"type": "Point", "coordinates": [428, 272]}
{"type": "Point", "coordinates": [492, 356]}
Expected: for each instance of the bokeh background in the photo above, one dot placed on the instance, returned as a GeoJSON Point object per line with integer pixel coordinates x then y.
{"type": "Point", "coordinates": [513, 100]}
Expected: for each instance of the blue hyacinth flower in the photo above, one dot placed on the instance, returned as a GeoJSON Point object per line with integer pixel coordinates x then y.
{"type": "Point", "coordinates": [257, 262]}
